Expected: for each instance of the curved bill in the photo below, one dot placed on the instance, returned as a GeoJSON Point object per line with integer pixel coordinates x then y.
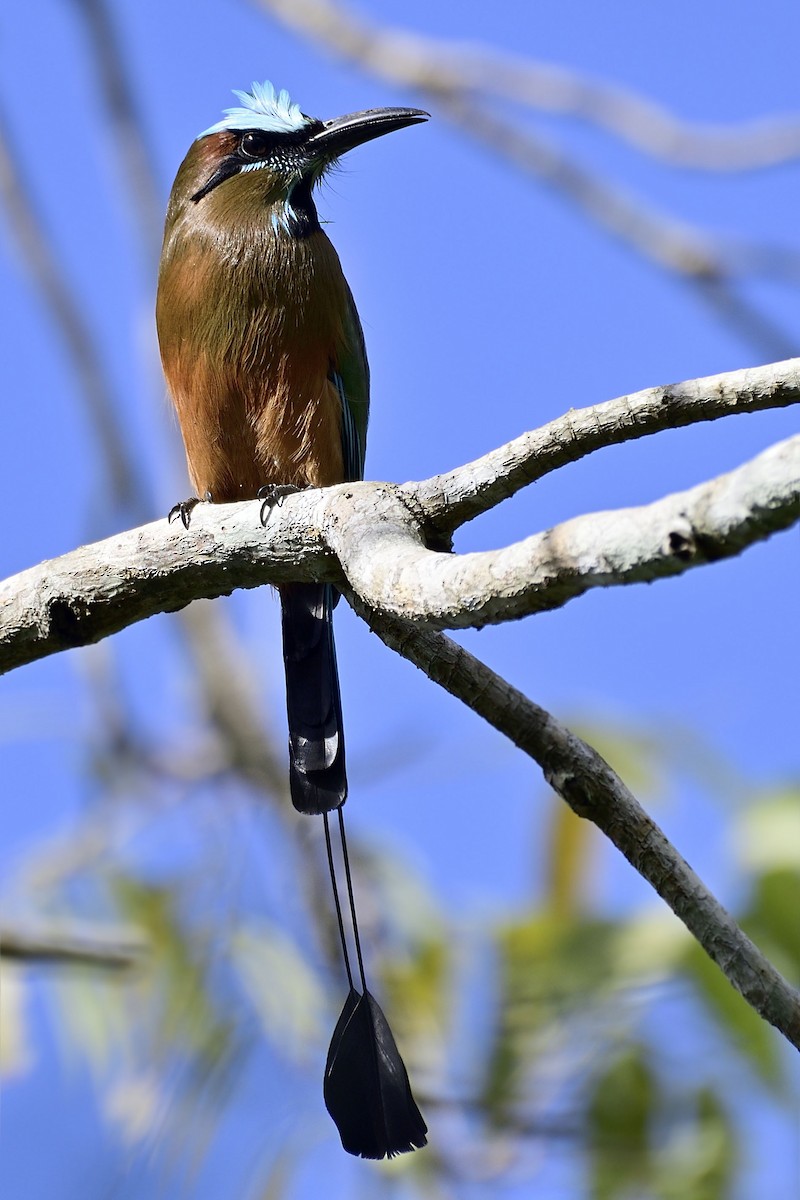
{"type": "Point", "coordinates": [345, 133]}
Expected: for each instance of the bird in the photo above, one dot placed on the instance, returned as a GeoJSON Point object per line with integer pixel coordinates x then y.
{"type": "Point", "coordinates": [264, 359]}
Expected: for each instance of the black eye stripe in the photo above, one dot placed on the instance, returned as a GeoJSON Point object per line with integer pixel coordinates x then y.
{"type": "Point", "coordinates": [256, 144]}
{"type": "Point", "coordinates": [224, 171]}
{"type": "Point", "coordinates": [281, 151]}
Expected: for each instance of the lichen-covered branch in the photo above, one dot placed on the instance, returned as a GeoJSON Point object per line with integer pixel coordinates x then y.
{"type": "Point", "coordinates": [458, 496]}
{"type": "Point", "coordinates": [393, 572]}
{"type": "Point", "coordinates": [373, 539]}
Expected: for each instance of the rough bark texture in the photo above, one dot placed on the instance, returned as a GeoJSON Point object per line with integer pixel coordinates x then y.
{"type": "Point", "coordinates": [375, 538]}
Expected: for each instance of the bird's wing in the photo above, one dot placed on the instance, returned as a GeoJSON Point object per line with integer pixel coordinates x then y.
{"type": "Point", "coordinates": [350, 377]}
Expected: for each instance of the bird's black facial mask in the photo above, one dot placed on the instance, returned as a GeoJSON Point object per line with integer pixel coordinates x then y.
{"type": "Point", "coordinates": [283, 154]}
{"type": "Point", "coordinates": [306, 152]}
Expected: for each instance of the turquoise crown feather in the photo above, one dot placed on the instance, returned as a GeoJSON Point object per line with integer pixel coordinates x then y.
{"type": "Point", "coordinates": [261, 108]}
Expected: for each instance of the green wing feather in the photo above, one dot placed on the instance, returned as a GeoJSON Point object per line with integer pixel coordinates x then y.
{"type": "Point", "coordinates": [351, 379]}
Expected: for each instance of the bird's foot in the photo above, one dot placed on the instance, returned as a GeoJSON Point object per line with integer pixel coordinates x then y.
{"type": "Point", "coordinates": [273, 496]}
{"type": "Point", "coordinates": [185, 508]}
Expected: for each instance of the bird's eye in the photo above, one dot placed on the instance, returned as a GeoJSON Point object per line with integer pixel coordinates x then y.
{"type": "Point", "coordinates": [254, 144]}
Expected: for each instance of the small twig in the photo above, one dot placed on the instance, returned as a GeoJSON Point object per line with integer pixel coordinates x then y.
{"type": "Point", "coordinates": [370, 536]}
{"type": "Point", "coordinates": [451, 499]}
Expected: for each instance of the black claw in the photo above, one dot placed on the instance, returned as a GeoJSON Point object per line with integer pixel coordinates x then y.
{"type": "Point", "coordinates": [273, 495]}
{"type": "Point", "coordinates": [185, 508]}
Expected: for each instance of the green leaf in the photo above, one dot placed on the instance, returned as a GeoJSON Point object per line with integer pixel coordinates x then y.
{"type": "Point", "coordinates": [92, 1017]}
{"type": "Point", "coordinates": [567, 859]}
{"type": "Point", "coordinates": [700, 1157]}
{"type": "Point", "coordinates": [416, 989]}
{"type": "Point", "coordinates": [767, 834]}
{"type": "Point", "coordinates": [619, 1117]}
{"type": "Point", "coordinates": [175, 990]}
{"type": "Point", "coordinates": [285, 992]}
{"type": "Point", "coordinates": [550, 967]}
{"type": "Point", "coordinates": [16, 1056]}
{"type": "Point", "coordinates": [773, 919]}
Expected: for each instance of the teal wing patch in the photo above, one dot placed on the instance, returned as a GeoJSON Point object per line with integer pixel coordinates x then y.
{"type": "Point", "coordinates": [350, 377]}
{"type": "Point", "coordinates": [352, 444]}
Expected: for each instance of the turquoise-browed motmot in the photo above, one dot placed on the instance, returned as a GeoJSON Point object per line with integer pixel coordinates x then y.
{"type": "Point", "coordinates": [264, 359]}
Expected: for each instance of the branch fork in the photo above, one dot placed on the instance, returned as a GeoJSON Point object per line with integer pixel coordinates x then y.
{"type": "Point", "coordinates": [380, 543]}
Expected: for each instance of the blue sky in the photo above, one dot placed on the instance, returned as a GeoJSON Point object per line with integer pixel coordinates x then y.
{"type": "Point", "coordinates": [489, 306]}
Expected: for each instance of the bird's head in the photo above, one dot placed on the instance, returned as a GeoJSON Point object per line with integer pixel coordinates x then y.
{"type": "Point", "coordinates": [267, 153]}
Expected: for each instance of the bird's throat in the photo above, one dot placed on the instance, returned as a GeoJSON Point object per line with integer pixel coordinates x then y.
{"type": "Point", "coordinates": [297, 214]}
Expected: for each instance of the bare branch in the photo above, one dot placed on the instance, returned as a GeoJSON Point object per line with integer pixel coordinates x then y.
{"type": "Point", "coordinates": [453, 498]}
{"type": "Point", "coordinates": [100, 589]}
{"type": "Point", "coordinates": [588, 785]}
{"type": "Point", "coordinates": [633, 118]}
{"type": "Point", "coordinates": [371, 536]}
{"type": "Point", "coordinates": [666, 241]}
{"type": "Point", "coordinates": [394, 573]}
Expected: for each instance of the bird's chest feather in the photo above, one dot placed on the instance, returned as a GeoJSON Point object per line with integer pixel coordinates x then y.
{"type": "Point", "coordinates": [250, 326]}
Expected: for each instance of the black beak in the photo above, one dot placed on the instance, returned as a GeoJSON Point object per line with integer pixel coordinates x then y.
{"type": "Point", "coordinates": [345, 133]}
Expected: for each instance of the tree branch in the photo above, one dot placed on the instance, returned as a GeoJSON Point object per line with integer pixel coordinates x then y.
{"type": "Point", "coordinates": [453, 498]}
{"type": "Point", "coordinates": [371, 538]}
{"type": "Point", "coordinates": [130, 146]}
{"type": "Point", "coordinates": [393, 572]}
{"type": "Point", "coordinates": [583, 779]}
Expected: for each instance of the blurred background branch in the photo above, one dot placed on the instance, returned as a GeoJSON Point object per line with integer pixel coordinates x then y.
{"type": "Point", "coordinates": [444, 69]}
{"type": "Point", "coordinates": [76, 946]}
{"type": "Point", "coordinates": [459, 85]}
